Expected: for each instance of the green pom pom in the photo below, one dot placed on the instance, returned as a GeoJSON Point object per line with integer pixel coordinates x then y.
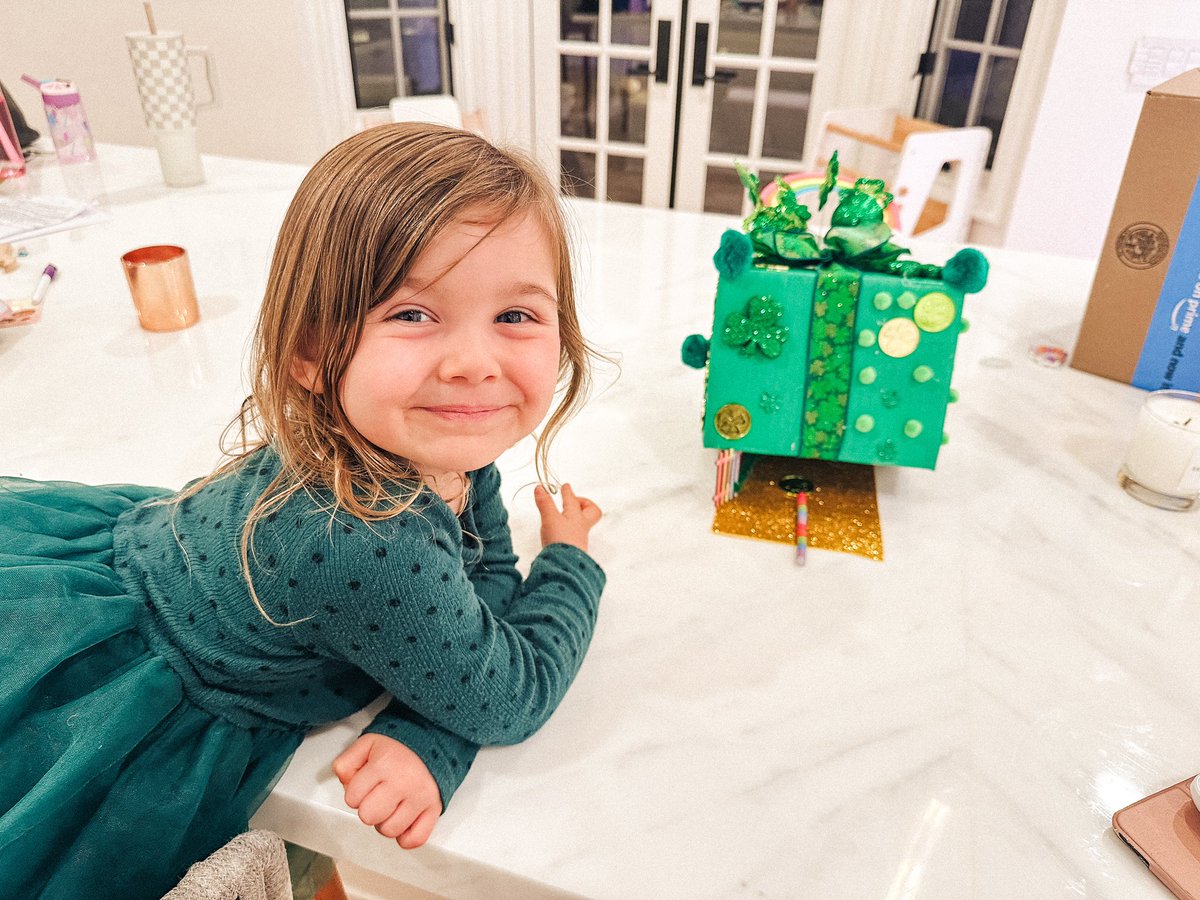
{"type": "Point", "coordinates": [734, 255]}
{"type": "Point", "coordinates": [695, 350]}
{"type": "Point", "coordinates": [967, 270]}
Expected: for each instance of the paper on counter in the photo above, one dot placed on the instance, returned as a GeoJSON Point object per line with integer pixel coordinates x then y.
{"type": "Point", "coordinates": [22, 218]}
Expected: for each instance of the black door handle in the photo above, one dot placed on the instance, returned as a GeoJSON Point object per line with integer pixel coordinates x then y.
{"type": "Point", "coordinates": [700, 60]}
{"type": "Point", "coordinates": [662, 55]}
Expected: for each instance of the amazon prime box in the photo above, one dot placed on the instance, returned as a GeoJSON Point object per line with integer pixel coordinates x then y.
{"type": "Point", "coordinates": [1142, 324]}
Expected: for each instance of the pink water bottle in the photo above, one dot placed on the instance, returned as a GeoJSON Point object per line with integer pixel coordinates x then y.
{"type": "Point", "coordinates": [12, 162]}
{"type": "Point", "coordinates": [68, 122]}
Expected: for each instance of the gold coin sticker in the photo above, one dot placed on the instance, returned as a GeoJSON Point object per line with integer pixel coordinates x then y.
{"type": "Point", "coordinates": [934, 312]}
{"type": "Point", "coordinates": [899, 337]}
{"type": "Point", "coordinates": [732, 421]}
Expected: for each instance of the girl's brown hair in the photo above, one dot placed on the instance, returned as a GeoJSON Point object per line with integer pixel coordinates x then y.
{"type": "Point", "coordinates": [359, 221]}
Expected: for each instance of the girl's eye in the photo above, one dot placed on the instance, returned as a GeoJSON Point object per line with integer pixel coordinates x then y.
{"type": "Point", "coordinates": [514, 317]}
{"type": "Point", "coordinates": [410, 315]}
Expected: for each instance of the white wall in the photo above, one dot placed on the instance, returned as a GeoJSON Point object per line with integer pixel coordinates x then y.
{"type": "Point", "coordinates": [1085, 125]}
{"type": "Point", "coordinates": [271, 100]}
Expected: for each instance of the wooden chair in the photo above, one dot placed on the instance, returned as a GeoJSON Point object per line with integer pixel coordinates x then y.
{"type": "Point", "coordinates": [910, 154]}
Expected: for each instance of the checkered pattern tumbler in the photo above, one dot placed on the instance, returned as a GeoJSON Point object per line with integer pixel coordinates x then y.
{"type": "Point", "coordinates": [160, 65]}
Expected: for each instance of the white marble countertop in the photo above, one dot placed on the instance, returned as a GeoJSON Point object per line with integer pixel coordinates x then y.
{"type": "Point", "coordinates": [958, 721]}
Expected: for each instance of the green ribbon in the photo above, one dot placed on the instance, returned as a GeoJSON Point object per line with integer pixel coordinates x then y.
{"type": "Point", "coordinates": [830, 361]}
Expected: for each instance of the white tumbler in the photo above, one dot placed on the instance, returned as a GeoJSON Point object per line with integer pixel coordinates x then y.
{"type": "Point", "coordinates": [164, 81]}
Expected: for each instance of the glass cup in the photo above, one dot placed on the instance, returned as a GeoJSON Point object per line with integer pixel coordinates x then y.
{"type": "Point", "coordinates": [1162, 467]}
{"type": "Point", "coordinates": [160, 281]}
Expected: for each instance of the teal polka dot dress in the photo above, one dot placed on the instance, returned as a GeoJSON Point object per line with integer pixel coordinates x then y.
{"type": "Point", "coordinates": [147, 706]}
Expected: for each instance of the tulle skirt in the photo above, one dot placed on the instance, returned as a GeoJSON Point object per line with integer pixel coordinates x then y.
{"type": "Point", "coordinates": [112, 781]}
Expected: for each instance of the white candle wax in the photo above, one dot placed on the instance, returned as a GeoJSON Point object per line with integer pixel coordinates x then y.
{"type": "Point", "coordinates": [1165, 452]}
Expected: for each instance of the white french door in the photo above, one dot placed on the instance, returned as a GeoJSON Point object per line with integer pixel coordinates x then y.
{"type": "Point", "coordinates": [605, 125]}
{"type": "Point", "coordinates": [655, 102]}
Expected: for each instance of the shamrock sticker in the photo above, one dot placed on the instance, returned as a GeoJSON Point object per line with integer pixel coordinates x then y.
{"type": "Point", "coordinates": [758, 328]}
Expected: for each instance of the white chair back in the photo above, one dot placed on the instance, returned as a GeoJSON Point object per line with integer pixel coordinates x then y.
{"type": "Point", "coordinates": [915, 153]}
{"type": "Point", "coordinates": [438, 109]}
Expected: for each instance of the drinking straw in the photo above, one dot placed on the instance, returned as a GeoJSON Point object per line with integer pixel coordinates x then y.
{"type": "Point", "coordinates": [801, 527]}
{"type": "Point", "coordinates": [800, 486]}
{"type": "Point", "coordinates": [29, 79]}
{"type": "Point", "coordinates": [150, 17]}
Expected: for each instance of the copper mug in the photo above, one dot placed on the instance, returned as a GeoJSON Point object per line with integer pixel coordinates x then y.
{"type": "Point", "coordinates": [160, 281]}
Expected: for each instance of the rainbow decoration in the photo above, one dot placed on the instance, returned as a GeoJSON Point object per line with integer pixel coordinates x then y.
{"type": "Point", "coordinates": [729, 470]}
{"type": "Point", "coordinates": [805, 183]}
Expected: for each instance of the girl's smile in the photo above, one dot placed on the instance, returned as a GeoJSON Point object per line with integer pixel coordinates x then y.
{"type": "Point", "coordinates": [462, 413]}
{"type": "Point", "coordinates": [462, 362]}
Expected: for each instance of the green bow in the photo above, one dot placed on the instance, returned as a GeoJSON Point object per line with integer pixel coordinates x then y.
{"type": "Point", "coordinates": [857, 237]}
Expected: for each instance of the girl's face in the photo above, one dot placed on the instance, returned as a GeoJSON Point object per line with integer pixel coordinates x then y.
{"type": "Point", "coordinates": [462, 362]}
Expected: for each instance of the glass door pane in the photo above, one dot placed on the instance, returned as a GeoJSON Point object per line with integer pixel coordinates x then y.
{"type": "Point", "coordinates": [421, 46]}
{"type": "Point", "coordinates": [740, 27]}
{"type": "Point", "coordinates": [607, 56]}
{"type": "Point", "coordinates": [961, 68]}
{"type": "Point", "coordinates": [577, 104]}
{"type": "Point", "coordinates": [1001, 72]}
{"type": "Point", "coordinates": [972, 20]}
{"type": "Point", "coordinates": [628, 89]}
{"type": "Point", "coordinates": [631, 22]}
{"type": "Point", "coordinates": [733, 107]}
{"type": "Point", "coordinates": [797, 27]}
{"type": "Point", "coordinates": [788, 102]}
{"type": "Point", "coordinates": [1014, 23]}
{"type": "Point", "coordinates": [374, 62]}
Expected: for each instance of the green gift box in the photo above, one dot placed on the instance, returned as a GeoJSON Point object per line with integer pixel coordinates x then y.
{"type": "Point", "coordinates": [836, 349]}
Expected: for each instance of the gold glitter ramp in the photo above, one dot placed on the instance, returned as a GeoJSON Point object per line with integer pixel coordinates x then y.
{"type": "Point", "coordinates": [843, 512]}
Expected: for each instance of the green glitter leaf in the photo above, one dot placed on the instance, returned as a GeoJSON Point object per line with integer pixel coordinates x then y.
{"type": "Point", "coordinates": [751, 183]}
{"type": "Point", "coordinates": [830, 182]}
{"type": "Point", "coordinates": [757, 328]}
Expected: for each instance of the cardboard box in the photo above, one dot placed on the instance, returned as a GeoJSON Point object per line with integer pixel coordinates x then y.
{"type": "Point", "coordinates": [1142, 324]}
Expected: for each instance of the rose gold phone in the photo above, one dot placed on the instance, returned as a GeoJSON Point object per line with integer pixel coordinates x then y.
{"type": "Point", "coordinates": [1164, 830]}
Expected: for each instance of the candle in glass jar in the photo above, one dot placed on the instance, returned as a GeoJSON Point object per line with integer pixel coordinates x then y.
{"type": "Point", "coordinates": [1164, 455]}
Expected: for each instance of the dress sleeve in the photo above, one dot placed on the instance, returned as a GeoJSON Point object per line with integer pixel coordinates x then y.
{"type": "Point", "coordinates": [497, 582]}
{"type": "Point", "coordinates": [494, 575]}
{"type": "Point", "coordinates": [398, 604]}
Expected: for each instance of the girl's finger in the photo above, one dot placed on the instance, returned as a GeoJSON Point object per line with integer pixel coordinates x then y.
{"type": "Point", "coordinates": [399, 821]}
{"type": "Point", "coordinates": [590, 511]}
{"type": "Point", "coordinates": [545, 503]}
{"type": "Point", "coordinates": [420, 830]}
{"type": "Point", "coordinates": [363, 782]}
{"type": "Point", "coordinates": [353, 759]}
{"type": "Point", "coordinates": [569, 501]}
{"type": "Point", "coordinates": [379, 805]}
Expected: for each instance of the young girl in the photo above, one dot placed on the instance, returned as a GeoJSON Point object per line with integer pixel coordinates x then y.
{"type": "Point", "coordinates": [165, 654]}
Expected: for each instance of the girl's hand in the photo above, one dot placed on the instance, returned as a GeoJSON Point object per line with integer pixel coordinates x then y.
{"type": "Point", "coordinates": [572, 524]}
{"type": "Point", "coordinates": [391, 788]}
